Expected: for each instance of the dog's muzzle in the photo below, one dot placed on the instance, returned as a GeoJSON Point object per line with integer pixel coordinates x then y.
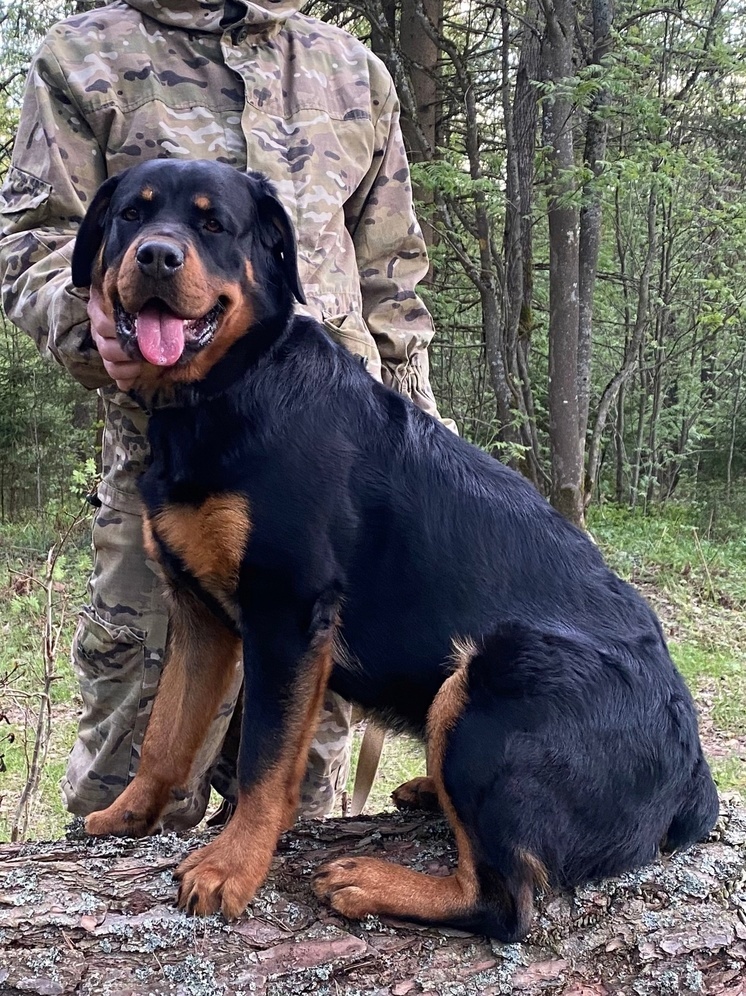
{"type": "Point", "coordinates": [161, 336]}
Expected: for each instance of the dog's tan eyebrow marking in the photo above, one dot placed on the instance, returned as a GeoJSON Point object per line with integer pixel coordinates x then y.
{"type": "Point", "coordinates": [203, 202]}
{"type": "Point", "coordinates": [147, 193]}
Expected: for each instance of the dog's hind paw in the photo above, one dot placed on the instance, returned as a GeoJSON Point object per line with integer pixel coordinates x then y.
{"type": "Point", "coordinates": [418, 793]}
{"type": "Point", "coordinates": [358, 887]}
{"type": "Point", "coordinates": [345, 884]}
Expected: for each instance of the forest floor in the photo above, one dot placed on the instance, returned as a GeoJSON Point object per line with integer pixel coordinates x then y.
{"type": "Point", "coordinates": [689, 560]}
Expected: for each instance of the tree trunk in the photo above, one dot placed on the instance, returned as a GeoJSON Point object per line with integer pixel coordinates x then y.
{"type": "Point", "coordinates": [631, 353]}
{"type": "Point", "coordinates": [421, 54]}
{"type": "Point", "coordinates": [492, 314]}
{"type": "Point", "coordinates": [734, 425]}
{"type": "Point", "coordinates": [382, 31]}
{"type": "Point", "coordinates": [564, 439]}
{"type": "Point", "coordinates": [642, 407]}
{"type": "Point", "coordinates": [590, 212]}
{"type": "Point", "coordinates": [521, 121]}
{"type": "Point", "coordinates": [620, 453]}
{"type": "Point", "coordinates": [86, 916]}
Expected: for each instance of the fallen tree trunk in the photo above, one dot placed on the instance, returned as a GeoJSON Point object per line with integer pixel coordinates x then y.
{"type": "Point", "coordinates": [91, 917]}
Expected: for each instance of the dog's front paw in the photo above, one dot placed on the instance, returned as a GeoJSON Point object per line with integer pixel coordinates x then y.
{"type": "Point", "coordinates": [350, 885]}
{"type": "Point", "coordinates": [134, 814]}
{"type": "Point", "coordinates": [216, 878]}
{"type": "Point", "coordinates": [118, 823]}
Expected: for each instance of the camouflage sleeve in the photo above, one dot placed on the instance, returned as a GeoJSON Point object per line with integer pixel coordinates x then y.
{"type": "Point", "coordinates": [57, 164]}
{"type": "Point", "coordinates": [392, 259]}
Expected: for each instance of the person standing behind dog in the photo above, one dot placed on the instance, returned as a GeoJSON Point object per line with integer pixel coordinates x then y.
{"type": "Point", "coordinates": [256, 85]}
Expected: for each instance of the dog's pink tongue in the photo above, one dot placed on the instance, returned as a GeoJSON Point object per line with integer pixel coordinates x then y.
{"type": "Point", "coordinates": [160, 336]}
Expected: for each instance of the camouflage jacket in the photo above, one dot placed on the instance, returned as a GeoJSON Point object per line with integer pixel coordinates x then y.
{"type": "Point", "coordinates": [273, 89]}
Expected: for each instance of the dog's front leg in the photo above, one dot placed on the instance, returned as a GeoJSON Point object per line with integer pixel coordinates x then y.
{"type": "Point", "coordinates": [287, 665]}
{"type": "Point", "coordinates": [201, 657]}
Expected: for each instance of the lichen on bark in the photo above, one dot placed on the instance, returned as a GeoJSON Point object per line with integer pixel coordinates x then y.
{"type": "Point", "coordinates": [92, 917]}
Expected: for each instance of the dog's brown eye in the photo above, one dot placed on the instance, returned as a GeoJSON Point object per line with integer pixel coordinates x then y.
{"type": "Point", "coordinates": [213, 225]}
{"type": "Point", "coordinates": [130, 214]}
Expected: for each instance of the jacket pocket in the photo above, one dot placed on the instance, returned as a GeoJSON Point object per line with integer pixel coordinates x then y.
{"type": "Point", "coordinates": [110, 661]}
{"type": "Point", "coordinates": [22, 193]}
{"type": "Point", "coordinates": [351, 332]}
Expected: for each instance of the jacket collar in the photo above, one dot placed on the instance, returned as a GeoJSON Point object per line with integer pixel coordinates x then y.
{"type": "Point", "coordinates": [215, 16]}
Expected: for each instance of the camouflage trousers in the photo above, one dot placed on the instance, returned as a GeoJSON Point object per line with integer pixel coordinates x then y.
{"type": "Point", "coordinates": [118, 656]}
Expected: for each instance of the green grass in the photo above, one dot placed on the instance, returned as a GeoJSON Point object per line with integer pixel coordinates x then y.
{"type": "Point", "coordinates": [679, 548]}
{"type": "Point", "coordinates": [402, 758]}
{"type": "Point", "coordinates": [23, 552]}
{"type": "Point", "coordinates": [688, 561]}
{"type": "Point", "coordinates": [722, 674]}
{"type": "Point", "coordinates": [729, 774]}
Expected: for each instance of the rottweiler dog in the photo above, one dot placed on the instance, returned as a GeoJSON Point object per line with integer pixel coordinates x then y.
{"type": "Point", "coordinates": [322, 526]}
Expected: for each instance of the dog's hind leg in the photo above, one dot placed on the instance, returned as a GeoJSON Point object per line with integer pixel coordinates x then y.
{"type": "Point", "coordinates": [492, 897]}
{"type": "Point", "coordinates": [201, 657]}
{"type": "Point", "coordinates": [697, 815]}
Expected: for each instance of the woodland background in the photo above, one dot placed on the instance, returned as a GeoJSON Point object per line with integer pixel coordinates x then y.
{"type": "Point", "coordinates": [579, 170]}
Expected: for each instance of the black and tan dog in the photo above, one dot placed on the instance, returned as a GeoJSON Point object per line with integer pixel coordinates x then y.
{"type": "Point", "coordinates": [335, 535]}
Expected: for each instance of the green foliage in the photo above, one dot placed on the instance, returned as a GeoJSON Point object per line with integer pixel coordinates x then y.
{"type": "Point", "coordinates": [675, 118]}
{"type": "Point", "coordinates": [47, 422]}
{"type": "Point", "coordinates": [47, 431]}
{"type": "Point", "coordinates": [696, 548]}
{"type": "Point", "coordinates": [23, 608]}
{"type": "Point", "coordinates": [22, 27]}
{"type": "Point", "coordinates": [675, 128]}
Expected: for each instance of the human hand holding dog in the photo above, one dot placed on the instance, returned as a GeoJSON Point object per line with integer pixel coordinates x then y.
{"type": "Point", "coordinates": [122, 369]}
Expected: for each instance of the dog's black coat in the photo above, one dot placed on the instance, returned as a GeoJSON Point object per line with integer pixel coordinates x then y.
{"type": "Point", "coordinates": [577, 742]}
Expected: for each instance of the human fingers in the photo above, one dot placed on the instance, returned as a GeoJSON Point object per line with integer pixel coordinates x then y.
{"type": "Point", "coordinates": [122, 369]}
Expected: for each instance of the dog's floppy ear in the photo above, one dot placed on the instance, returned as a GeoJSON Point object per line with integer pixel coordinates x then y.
{"type": "Point", "coordinates": [276, 232]}
{"type": "Point", "coordinates": [91, 233]}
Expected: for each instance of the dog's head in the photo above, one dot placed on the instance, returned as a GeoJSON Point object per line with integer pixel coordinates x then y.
{"type": "Point", "coordinates": [188, 257]}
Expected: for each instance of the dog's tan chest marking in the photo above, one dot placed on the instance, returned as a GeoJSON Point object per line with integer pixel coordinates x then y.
{"type": "Point", "coordinates": [209, 539]}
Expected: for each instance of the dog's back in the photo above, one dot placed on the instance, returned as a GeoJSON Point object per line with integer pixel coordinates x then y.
{"type": "Point", "coordinates": [441, 540]}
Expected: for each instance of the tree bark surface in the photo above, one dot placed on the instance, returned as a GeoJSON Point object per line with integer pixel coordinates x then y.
{"type": "Point", "coordinates": [564, 274]}
{"type": "Point", "coordinates": [89, 917]}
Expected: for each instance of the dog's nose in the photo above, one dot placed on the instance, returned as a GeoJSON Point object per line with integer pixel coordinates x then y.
{"type": "Point", "coordinates": [159, 259]}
